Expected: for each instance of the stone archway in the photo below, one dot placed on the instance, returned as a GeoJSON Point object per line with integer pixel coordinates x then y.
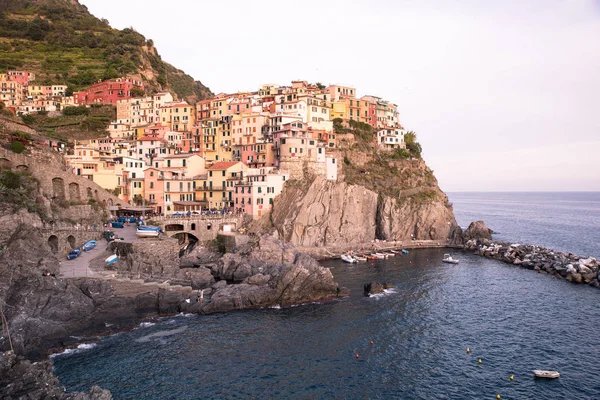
{"type": "Point", "coordinates": [90, 195]}
{"type": "Point", "coordinates": [185, 238]}
{"type": "Point", "coordinates": [58, 188]}
{"type": "Point", "coordinates": [110, 202]}
{"type": "Point", "coordinates": [74, 194]}
{"type": "Point", "coordinates": [53, 243]}
{"type": "Point", "coordinates": [22, 167]}
{"type": "Point", "coordinates": [71, 241]}
{"type": "Point", "coordinates": [173, 227]}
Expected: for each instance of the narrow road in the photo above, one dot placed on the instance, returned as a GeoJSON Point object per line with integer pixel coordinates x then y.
{"type": "Point", "coordinates": [79, 267]}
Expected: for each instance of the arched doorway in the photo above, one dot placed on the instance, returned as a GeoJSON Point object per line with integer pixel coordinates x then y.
{"type": "Point", "coordinates": [53, 243]}
{"type": "Point", "coordinates": [71, 241]}
{"type": "Point", "coordinates": [58, 188]}
{"type": "Point", "coordinates": [74, 192]}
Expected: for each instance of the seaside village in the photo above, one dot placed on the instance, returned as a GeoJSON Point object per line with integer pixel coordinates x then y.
{"type": "Point", "coordinates": [231, 153]}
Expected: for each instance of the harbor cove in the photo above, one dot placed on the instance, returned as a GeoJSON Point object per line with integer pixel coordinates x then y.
{"type": "Point", "coordinates": [282, 234]}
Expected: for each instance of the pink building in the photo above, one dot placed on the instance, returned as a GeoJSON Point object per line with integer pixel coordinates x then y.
{"type": "Point", "coordinates": [255, 195]}
{"type": "Point", "coordinates": [108, 92]}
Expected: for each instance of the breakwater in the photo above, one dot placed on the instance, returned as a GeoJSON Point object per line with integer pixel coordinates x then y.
{"type": "Point", "coordinates": [562, 265]}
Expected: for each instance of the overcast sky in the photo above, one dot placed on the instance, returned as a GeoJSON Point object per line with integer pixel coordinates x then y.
{"type": "Point", "coordinates": [503, 95]}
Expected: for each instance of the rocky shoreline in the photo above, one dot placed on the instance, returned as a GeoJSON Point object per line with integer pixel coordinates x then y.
{"type": "Point", "coordinates": [573, 268]}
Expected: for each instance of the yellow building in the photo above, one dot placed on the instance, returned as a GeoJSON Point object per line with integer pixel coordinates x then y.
{"type": "Point", "coordinates": [216, 189]}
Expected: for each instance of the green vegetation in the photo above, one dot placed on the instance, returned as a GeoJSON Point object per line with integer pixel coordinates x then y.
{"type": "Point", "coordinates": [63, 43]}
{"type": "Point", "coordinates": [17, 147]}
{"type": "Point", "coordinates": [414, 147]}
{"type": "Point", "coordinates": [76, 123]}
{"type": "Point", "coordinates": [77, 110]}
{"type": "Point", "coordinates": [19, 190]}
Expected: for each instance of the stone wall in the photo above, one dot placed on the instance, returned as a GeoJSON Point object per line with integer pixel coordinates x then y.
{"type": "Point", "coordinates": [62, 241]}
{"type": "Point", "coordinates": [11, 126]}
{"type": "Point", "coordinates": [60, 186]}
{"type": "Point", "coordinates": [302, 169]}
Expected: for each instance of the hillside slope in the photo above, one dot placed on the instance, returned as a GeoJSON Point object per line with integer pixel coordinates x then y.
{"type": "Point", "coordinates": [62, 42]}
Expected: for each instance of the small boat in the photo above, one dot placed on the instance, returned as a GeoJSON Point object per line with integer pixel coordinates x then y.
{"type": "Point", "coordinates": [150, 228]}
{"type": "Point", "coordinates": [89, 245]}
{"type": "Point", "coordinates": [73, 254]}
{"type": "Point", "coordinates": [348, 259]}
{"type": "Point", "coordinates": [448, 259]}
{"type": "Point", "coordinates": [147, 232]}
{"type": "Point", "coordinates": [360, 258]}
{"type": "Point", "coordinates": [389, 254]}
{"type": "Point", "coordinates": [111, 260]}
{"type": "Point", "coordinates": [404, 251]}
{"type": "Point", "coordinates": [370, 257]}
{"type": "Point", "coordinates": [539, 373]}
{"type": "Point", "coordinates": [380, 256]}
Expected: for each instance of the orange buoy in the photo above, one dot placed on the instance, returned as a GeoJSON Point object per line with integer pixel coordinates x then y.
{"type": "Point", "coordinates": [356, 355]}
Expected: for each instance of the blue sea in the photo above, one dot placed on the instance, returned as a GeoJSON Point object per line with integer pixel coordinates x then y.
{"type": "Point", "coordinates": [567, 221]}
{"type": "Point", "coordinates": [513, 320]}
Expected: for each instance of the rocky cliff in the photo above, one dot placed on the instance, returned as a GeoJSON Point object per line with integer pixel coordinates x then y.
{"type": "Point", "coordinates": [374, 198]}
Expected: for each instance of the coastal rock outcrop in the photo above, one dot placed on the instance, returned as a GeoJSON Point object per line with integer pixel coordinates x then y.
{"type": "Point", "coordinates": [372, 288]}
{"type": "Point", "coordinates": [271, 274]}
{"type": "Point", "coordinates": [477, 230]}
{"type": "Point", "coordinates": [21, 379]}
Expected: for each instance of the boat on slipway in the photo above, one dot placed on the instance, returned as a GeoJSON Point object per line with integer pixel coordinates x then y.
{"type": "Point", "coordinates": [148, 231]}
{"type": "Point", "coordinates": [89, 245]}
{"type": "Point", "coordinates": [73, 254]}
{"type": "Point", "coordinates": [360, 258]}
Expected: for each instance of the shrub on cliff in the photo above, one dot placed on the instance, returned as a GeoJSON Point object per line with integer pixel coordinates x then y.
{"type": "Point", "coordinates": [17, 147]}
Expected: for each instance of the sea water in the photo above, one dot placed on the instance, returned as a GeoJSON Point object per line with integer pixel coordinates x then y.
{"type": "Point", "coordinates": [514, 320]}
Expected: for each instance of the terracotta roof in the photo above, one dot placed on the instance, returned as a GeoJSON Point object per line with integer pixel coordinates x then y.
{"type": "Point", "coordinates": [221, 165]}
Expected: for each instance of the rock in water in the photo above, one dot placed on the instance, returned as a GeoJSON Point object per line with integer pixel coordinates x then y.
{"type": "Point", "coordinates": [477, 230]}
{"type": "Point", "coordinates": [372, 288]}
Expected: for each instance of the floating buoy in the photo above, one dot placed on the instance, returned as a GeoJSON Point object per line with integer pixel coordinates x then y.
{"type": "Point", "coordinates": [370, 341]}
{"type": "Point", "coordinates": [498, 397]}
{"type": "Point", "coordinates": [512, 377]}
{"type": "Point", "coordinates": [479, 361]}
{"type": "Point", "coordinates": [468, 350]}
{"type": "Point", "coordinates": [356, 355]}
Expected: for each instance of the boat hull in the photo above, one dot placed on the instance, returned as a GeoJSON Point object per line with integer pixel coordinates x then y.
{"type": "Point", "coordinates": [147, 233]}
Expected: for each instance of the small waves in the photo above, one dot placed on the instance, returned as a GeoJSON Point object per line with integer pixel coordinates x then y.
{"type": "Point", "coordinates": [386, 292]}
{"type": "Point", "coordinates": [78, 349]}
{"type": "Point", "coordinates": [161, 334]}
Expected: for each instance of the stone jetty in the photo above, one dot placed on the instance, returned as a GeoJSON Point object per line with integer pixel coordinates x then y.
{"type": "Point", "coordinates": [565, 265]}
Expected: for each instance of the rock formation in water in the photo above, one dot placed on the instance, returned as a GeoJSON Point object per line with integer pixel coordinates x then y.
{"type": "Point", "coordinates": [477, 230]}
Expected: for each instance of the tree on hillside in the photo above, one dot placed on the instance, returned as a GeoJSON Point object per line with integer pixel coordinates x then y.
{"type": "Point", "coordinates": [410, 138]}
